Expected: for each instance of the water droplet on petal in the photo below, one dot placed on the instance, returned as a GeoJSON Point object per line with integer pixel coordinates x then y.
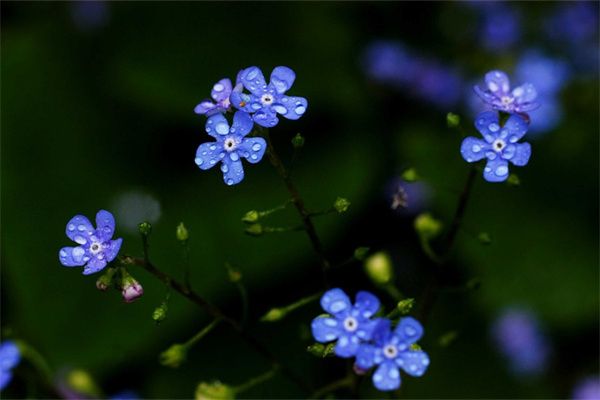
{"type": "Point", "coordinates": [218, 87]}
{"type": "Point", "coordinates": [501, 170]}
{"type": "Point", "coordinates": [252, 73]}
{"type": "Point", "coordinates": [476, 148]}
{"type": "Point", "coordinates": [256, 146]}
{"type": "Point", "coordinates": [198, 161]}
{"type": "Point", "coordinates": [300, 109]}
{"type": "Point", "coordinates": [280, 109]}
{"type": "Point", "coordinates": [213, 161]}
{"type": "Point", "coordinates": [254, 156]}
{"type": "Point", "coordinates": [71, 227]}
{"type": "Point", "coordinates": [230, 182]}
{"type": "Point", "coordinates": [222, 128]}
{"type": "Point", "coordinates": [494, 127]}
{"type": "Point", "coordinates": [213, 147]}
{"type": "Point", "coordinates": [77, 253]}
{"type": "Point", "coordinates": [224, 168]}
{"type": "Point", "coordinates": [80, 239]}
{"type": "Point", "coordinates": [63, 253]}
{"type": "Point", "coordinates": [410, 331]}
{"type": "Point", "coordinates": [234, 156]}
{"type": "Point", "coordinates": [81, 228]}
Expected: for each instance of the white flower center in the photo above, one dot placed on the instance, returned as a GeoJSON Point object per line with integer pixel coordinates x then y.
{"type": "Point", "coordinates": [390, 351]}
{"type": "Point", "coordinates": [499, 145]}
{"type": "Point", "coordinates": [95, 248]}
{"type": "Point", "coordinates": [229, 144]}
{"type": "Point", "coordinates": [350, 324]}
{"type": "Point", "coordinates": [267, 99]}
{"type": "Point", "coordinates": [507, 100]}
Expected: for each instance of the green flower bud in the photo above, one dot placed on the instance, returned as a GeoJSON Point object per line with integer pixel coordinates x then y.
{"type": "Point", "coordinates": [160, 313]}
{"type": "Point", "coordinates": [410, 175]}
{"type": "Point", "coordinates": [106, 279]}
{"type": "Point", "coordinates": [453, 120]}
{"type": "Point", "coordinates": [484, 238]}
{"type": "Point", "coordinates": [82, 382]}
{"type": "Point", "coordinates": [235, 275]}
{"type": "Point", "coordinates": [251, 217]}
{"type": "Point", "coordinates": [379, 268]}
{"type": "Point", "coordinates": [404, 306]}
{"type": "Point", "coordinates": [214, 391]}
{"type": "Point", "coordinates": [361, 253]}
{"type": "Point", "coordinates": [182, 233]}
{"type": "Point", "coordinates": [274, 314]}
{"type": "Point", "coordinates": [341, 205]}
{"type": "Point", "coordinates": [321, 350]}
{"type": "Point", "coordinates": [174, 356]}
{"type": "Point", "coordinates": [298, 141]}
{"type": "Point", "coordinates": [415, 347]}
{"type": "Point", "coordinates": [145, 228]}
{"type": "Point", "coordinates": [447, 338]}
{"type": "Point", "coordinates": [427, 227]}
{"type": "Point", "coordinates": [255, 230]}
{"type": "Point", "coordinates": [513, 180]}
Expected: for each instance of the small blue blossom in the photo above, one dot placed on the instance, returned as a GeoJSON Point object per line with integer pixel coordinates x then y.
{"type": "Point", "coordinates": [499, 96]}
{"type": "Point", "coordinates": [10, 356]}
{"type": "Point", "coordinates": [587, 389]}
{"type": "Point", "coordinates": [501, 27]}
{"type": "Point", "coordinates": [220, 94]}
{"type": "Point", "coordinates": [499, 145]}
{"type": "Point", "coordinates": [266, 101]}
{"type": "Point", "coordinates": [392, 350]}
{"type": "Point", "coordinates": [96, 249]}
{"type": "Point", "coordinates": [348, 324]}
{"type": "Point", "coordinates": [231, 145]}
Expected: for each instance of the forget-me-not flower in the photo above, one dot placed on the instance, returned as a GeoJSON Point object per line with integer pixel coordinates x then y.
{"type": "Point", "coordinates": [499, 145]}
{"type": "Point", "coordinates": [499, 95]}
{"type": "Point", "coordinates": [220, 94]}
{"type": "Point", "coordinates": [392, 350]}
{"type": "Point", "coordinates": [231, 145]}
{"type": "Point", "coordinates": [348, 324]}
{"type": "Point", "coordinates": [96, 247]}
{"type": "Point", "coordinates": [10, 356]}
{"type": "Point", "coordinates": [266, 101]}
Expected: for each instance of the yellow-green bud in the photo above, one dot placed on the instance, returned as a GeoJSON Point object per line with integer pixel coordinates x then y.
{"type": "Point", "coordinates": [106, 279]}
{"type": "Point", "coordinates": [255, 230]}
{"type": "Point", "coordinates": [214, 391]}
{"type": "Point", "coordinates": [379, 268]}
{"type": "Point", "coordinates": [174, 356]}
{"type": "Point", "coordinates": [361, 253]}
{"type": "Point", "coordinates": [321, 350]}
{"type": "Point", "coordinates": [404, 306]}
{"type": "Point", "coordinates": [453, 120]}
{"type": "Point", "coordinates": [274, 314]}
{"type": "Point", "coordinates": [410, 175]}
{"type": "Point", "coordinates": [341, 205]}
{"type": "Point", "coordinates": [145, 228]}
{"type": "Point", "coordinates": [298, 141]}
{"type": "Point", "coordinates": [513, 180]}
{"type": "Point", "coordinates": [182, 233]}
{"type": "Point", "coordinates": [82, 382]}
{"type": "Point", "coordinates": [427, 227]}
{"type": "Point", "coordinates": [251, 217]}
{"type": "Point", "coordinates": [160, 313]}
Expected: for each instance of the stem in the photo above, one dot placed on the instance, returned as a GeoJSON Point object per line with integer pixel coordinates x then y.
{"type": "Point", "coordinates": [298, 203]}
{"type": "Point", "coordinates": [340, 383]}
{"type": "Point", "coordinates": [186, 264]}
{"type": "Point", "coordinates": [255, 381]}
{"type": "Point", "coordinates": [244, 298]}
{"type": "Point", "coordinates": [202, 333]}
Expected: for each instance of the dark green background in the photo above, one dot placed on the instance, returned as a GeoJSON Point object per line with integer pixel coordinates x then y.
{"type": "Point", "coordinates": [89, 114]}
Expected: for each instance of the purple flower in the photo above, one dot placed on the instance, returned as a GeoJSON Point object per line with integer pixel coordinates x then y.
{"type": "Point", "coordinates": [231, 145]}
{"type": "Point", "coordinates": [348, 324]}
{"type": "Point", "coordinates": [392, 351]}
{"type": "Point", "coordinates": [520, 340]}
{"type": "Point", "coordinates": [220, 94]}
{"type": "Point", "coordinates": [132, 291]}
{"type": "Point", "coordinates": [266, 101]}
{"type": "Point", "coordinates": [10, 356]}
{"type": "Point", "coordinates": [499, 96]}
{"type": "Point", "coordinates": [96, 249]}
{"type": "Point", "coordinates": [499, 145]}
{"type": "Point", "coordinates": [587, 389]}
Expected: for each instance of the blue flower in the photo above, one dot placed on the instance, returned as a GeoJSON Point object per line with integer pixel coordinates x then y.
{"type": "Point", "coordinates": [499, 147]}
{"type": "Point", "coordinates": [231, 145]}
{"type": "Point", "coordinates": [501, 27]}
{"type": "Point", "coordinates": [587, 389]}
{"type": "Point", "coordinates": [9, 358]}
{"type": "Point", "coordinates": [96, 249]}
{"type": "Point", "coordinates": [266, 101]}
{"type": "Point", "coordinates": [220, 94]}
{"type": "Point", "coordinates": [391, 351]}
{"type": "Point", "coordinates": [347, 324]}
{"type": "Point", "coordinates": [499, 96]}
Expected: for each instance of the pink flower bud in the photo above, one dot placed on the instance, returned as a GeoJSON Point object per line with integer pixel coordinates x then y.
{"type": "Point", "coordinates": [132, 291]}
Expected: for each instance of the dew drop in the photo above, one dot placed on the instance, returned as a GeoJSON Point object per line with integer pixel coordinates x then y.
{"type": "Point", "coordinates": [256, 146]}
{"type": "Point", "coordinates": [80, 239]}
{"type": "Point", "coordinates": [224, 168]}
{"type": "Point", "coordinates": [78, 252]}
{"type": "Point", "coordinates": [300, 109]}
{"type": "Point", "coordinates": [198, 161]}
{"type": "Point", "coordinates": [213, 162]}
{"type": "Point", "coordinates": [410, 331]}
{"type": "Point", "coordinates": [71, 227]}
{"type": "Point", "coordinates": [213, 147]}
{"type": "Point", "coordinates": [230, 182]}
{"type": "Point", "coordinates": [218, 87]}
{"type": "Point", "coordinates": [234, 156]}
{"type": "Point", "coordinates": [63, 253]}
{"type": "Point", "coordinates": [81, 228]}
{"type": "Point", "coordinates": [222, 128]}
{"type": "Point", "coordinates": [280, 109]}
{"type": "Point", "coordinates": [252, 73]}
{"type": "Point", "coordinates": [494, 127]}
{"type": "Point", "coordinates": [254, 156]}
{"type": "Point", "coordinates": [476, 148]}
{"type": "Point", "coordinates": [501, 170]}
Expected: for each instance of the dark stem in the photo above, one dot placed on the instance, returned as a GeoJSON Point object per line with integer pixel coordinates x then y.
{"type": "Point", "coordinates": [340, 383]}
{"type": "Point", "coordinates": [460, 210]}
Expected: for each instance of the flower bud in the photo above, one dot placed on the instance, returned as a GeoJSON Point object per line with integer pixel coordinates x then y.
{"type": "Point", "coordinates": [513, 180]}
{"type": "Point", "coordinates": [81, 382]}
{"type": "Point", "coordinates": [404, 306]}
{"type": "Point", "coordinates": [274, 314]}
{"type": "Point", "coordinates": [298, 141]}
{"type": "Point", "coordinates": [410, 175]}
{"type": "Point", "coordinates": [234, 274]}
{"type": "Point", "coordinates": [174, 356]}
{"type": "Point", "coordinates": [379, 268]}
{"type": "Point", "coordinates": [251, 217]}
{"type": "Point", "coordinates": [341, 205]}
{"type": "Point", "coordinates": [360, 253]}
{"type": "Point", "coordinates": [106, 279]}
{"type": "Point", "coordinates": [321, 350]}
{"type": "Point", "coordinates": [358, 370]}
{"type": "Point", "coordinates": [453, 120]}
{"type": "Point", "coordinates": [182, 233]}
{"type": "Point", "coordinates": [160, 313]}
{"type": "Point", "coordinates": [214, 391]}
{"type": "Point", "coordinates": [130, 288]}
{"type": "Point", "coordinates": [427, 227]}
{"type": "Point", "coordinates": [145, 228]}
{"type": "Point", "coordinates": [255, 230]}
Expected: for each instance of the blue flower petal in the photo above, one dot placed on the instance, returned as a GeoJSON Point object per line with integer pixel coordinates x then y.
{"type": "Point", "coordinates": [265, 117]}
{"type": "Point", "coordinates": [346, 346]}
{"type": "Point", "coordinates": [253, 80]}
{"type": "Point", "coordinates": [473, 149]}
{"type": "Point", "coordinates": [525, 93]}
{"type": "Point", "coordinates": [217, 125]}
{"type": "Point", "coordinates": [325, 329]}
{"type": "Point", "coordinates": [414, 363]}
{"type": "Point", "coordinates": [79, 229]}
{"type": "Point", "coordinates": [484, 95]}
{"type": "Point", "coordinates": [497, 82]}
{"type": "Point", "coordinates": [72, 256]}
{"type": "Point", "coordinates": [521, 154]}
{"type": "Point", "coordinates": [387, 377]}
{"type": "Point", "coordinates": [516, 126]}
{"type": "Point", "coordinates": [221, 90]}
{"type": "Point", "coordinates": [366, 328]}
{"type": "Point", "coordinates": [9, 355]}
{"type": "Point", "coordinates": [382, 332]}
{"type": "Point", "coordinates": [5, 378]}
{"type": "Point", "coordinates": [496, 170]}
{"type": "Point", "coordinates": [282, 78]}
{"type": "Point", "coordinates": [241, 101]}
{"type": "Point", "coordinates": [252, 149]}
{"type": "Point", "coordinates": [205, 107]}
{"type": "Point", "coordinates": [113, 249]}
{"type": "Point", "coordinates": [335, 301]}
{"type": "Point", "coordinates": [242, 123]}
{"type": "Point", "coordinates": [525, 107]}
{"type": "Point", "coordinates": [409, 330]}
{"type": "Point", "coordinates": [290, 107]}
{"type": "Point", "coordinates": [105, 225]}
{"type": "Point", "coordinates": [365, 356]}
{"type": "Point", "coordinates": [367, 303]}
{"type": "Point", "coordinates": [488, 125]}
{"type": "Point", "coordinates": [94, 265]}
{"type": "Point", "coordinates": [208, 154]}
{"type": "Point", "coordinates": [232, 168]}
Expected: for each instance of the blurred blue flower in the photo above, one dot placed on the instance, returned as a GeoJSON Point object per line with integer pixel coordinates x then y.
{"type": "Point", "coordinates": [89, 15]}
{"type": "Point", "coordinates": [389, 62]}
{"type": "Point", "coordinates": [10, 356]}
{"type": "Point", "coordinates": [391, 351]}
{"type": "Point", "coordinates": [587, 389]}
{"type": "Point", "coordinates": [125, 395]}
{"type": "Point", "coordinates": [499, 147]}
{"type": "Point", "coordinates": [574, 22]}
{"type": "Point", "coordinates": [500, 26]}
{"type": "Point", "coordinates": [96, 249]}
{"type": "Point", "coordinates": [407, 198]}
{"type": "Point", "coordinates": [231, 145]}
{"type": "Point", "coordinates": [519, 338]}
{"type": "Point", "coordinates": [348, 324]}
{"type": "Point", "coordinates": [220, 94]}
{"type": "Point", "coordinates": [266, 101]}
{"type": "Point", "coordinates": [499, 96]}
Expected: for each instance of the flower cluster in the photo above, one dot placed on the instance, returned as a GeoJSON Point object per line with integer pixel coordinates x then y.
{"type": "Point", "coordinates": [10, 356]}
{"type": "Point", "coordinates": [261, 106]}
{"type": "Point", "coordinates": [500, 145]}
{"type": "Point", "coordinates": [371, 340]}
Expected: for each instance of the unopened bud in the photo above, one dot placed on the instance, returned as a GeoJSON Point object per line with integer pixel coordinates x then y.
{"type": "Point", "coordinates": [255, 230]}
{"type": "Point", "coordinates": [106, 279]}
{"type": "Point", "coordinates": [174, 356]}
{"type": "Point", "coordinates": [298, 141]}
{"type": "Point", "coordinates": [145, 228]}
{"type": "Point", "coordinates": [274, 314]}
{"type": "Point", "coordinates": [234, 274]}
{"type": "Point", "coordinates": [214, 391]}
{"type": "Point", "coordinates": [513, 180]}
{"type": "Point", "coordinates": [321, 350]}
{"type": "Point", "coordinates": [404, 306]}
{"type": "Point", "coordinates": [427, 227]}
{"type": "Point", "coordinates": [130, 288]}
{"type": "Point", "coordinates": [453, 120]}
{"type": "Point", "coordinates": [82, 382]}
{"type": "Point", "coordinates": [410, 175]}
{"type": "Point", "coordinates": [379, 268]}
{"type": "Point", "coordinates": [182, 233]}
{"type": "Point", "coordinates": [251, 217]}
{"type": "Point", "coordinates": [341, 205]}
{"type": "Point", "coordinates": [160, 313]}
{"type": "Point", "coordinates": [361, 253]}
